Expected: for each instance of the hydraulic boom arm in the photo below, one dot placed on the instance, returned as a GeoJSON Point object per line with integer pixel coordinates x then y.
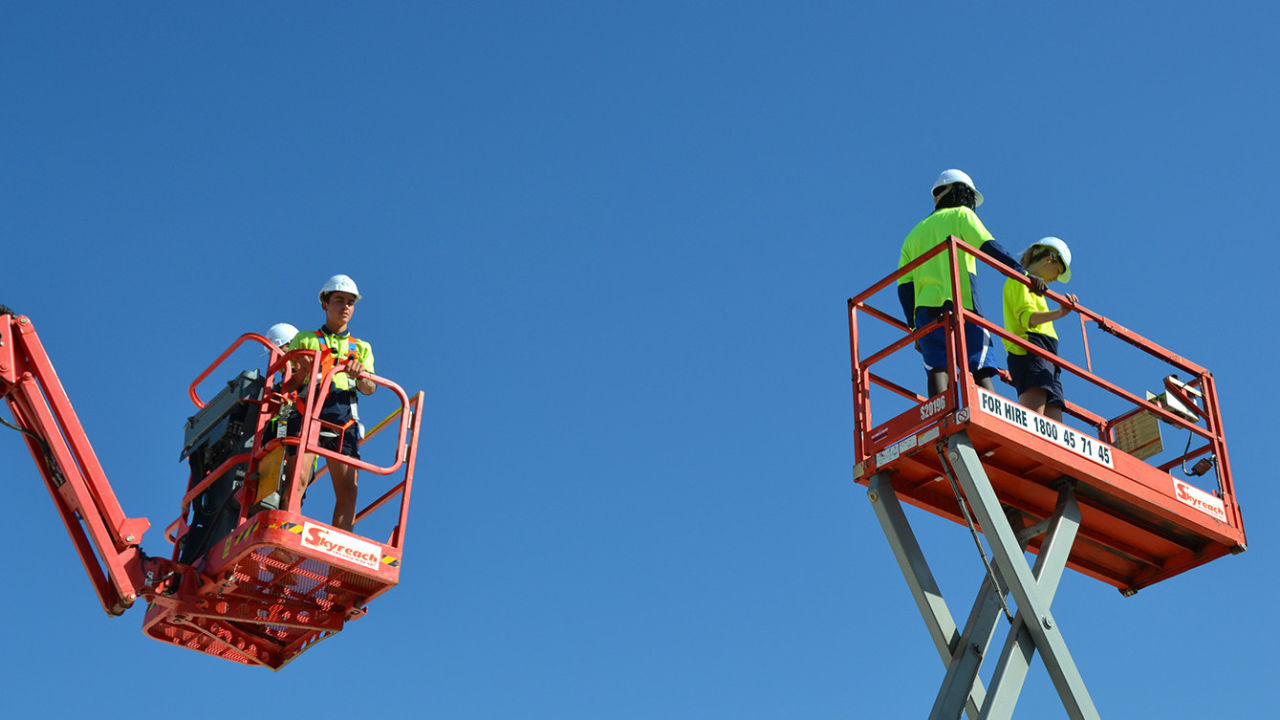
{"type": "Point", "coordinates": [107, 540]}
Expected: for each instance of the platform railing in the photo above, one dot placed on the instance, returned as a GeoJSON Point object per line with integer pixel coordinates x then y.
{"type": "Point", "coordinates": [963, 394]}
{"type": "Point", "coordinates": [307, 441]}
{"type": "Point", "coordinates": [317, 393]}
{"type": "Point", "coordinates": [279, 372]}
{"type": "Point", "coordinates": [271, 348]}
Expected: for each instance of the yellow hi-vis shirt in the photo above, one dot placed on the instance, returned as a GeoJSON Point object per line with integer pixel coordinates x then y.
{"type": "Point", "coordinates": [1019, 305]}
{"type": "Point", "coordinates": [338, 344]}
{"type": "Point", "coordinates": [932, 280]}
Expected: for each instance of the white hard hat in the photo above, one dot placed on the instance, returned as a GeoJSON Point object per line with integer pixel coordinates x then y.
{"type": "Point", "coordinates": [1063, 251]}
{"type": "Point", "coordinates": [339, 283]}
{"type": "Point", "coordinates": [281, 333]}
{"type": "Point", "coordinates": [958, 176]}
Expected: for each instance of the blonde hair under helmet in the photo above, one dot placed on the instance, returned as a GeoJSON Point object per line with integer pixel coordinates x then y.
{"type": "Point", "coordinates": [1059, 247]}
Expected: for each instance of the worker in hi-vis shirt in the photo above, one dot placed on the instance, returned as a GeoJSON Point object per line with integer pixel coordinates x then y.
{"type": "Point", "coordinates": [925, 292]}
{"type": "Point", "coordinates": [336, 345]}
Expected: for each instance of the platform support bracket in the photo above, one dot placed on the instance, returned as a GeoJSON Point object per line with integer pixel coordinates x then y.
{"type": "Point", "coordinates": [1032, 588]}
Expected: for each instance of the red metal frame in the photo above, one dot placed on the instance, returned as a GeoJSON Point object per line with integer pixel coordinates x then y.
{"type": "Point", "coordinates": [105, 538]}
{"type": "Point", "coordinates": [271, 348]}
{"type": "Point", "coordinates": [274, 586]}
{"type": "Point", "coordinates": [1140, 524]}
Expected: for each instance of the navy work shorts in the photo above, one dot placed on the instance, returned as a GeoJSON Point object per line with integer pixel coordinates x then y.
{"type": "Point", "coordinates": [1030, 371]}
{"type": "Point", "coordinates": [346, 441]}
{"type": "Point", "coordinates": [934, 345]}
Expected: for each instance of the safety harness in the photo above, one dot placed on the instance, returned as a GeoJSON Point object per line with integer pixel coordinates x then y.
{"type": "Point", "coordinates": [329, 356]}
{"type": "Point", "coordinates": [328, 359]}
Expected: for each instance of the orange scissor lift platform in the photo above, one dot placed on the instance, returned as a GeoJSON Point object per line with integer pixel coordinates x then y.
{"type": "Point", "coordinates": [1076, 493]}
{"type": "Point", "coordinates": [1139, 524]}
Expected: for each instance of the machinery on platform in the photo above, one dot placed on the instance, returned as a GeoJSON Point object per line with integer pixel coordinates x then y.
{"type": "Point", "coordinates": [1080, 494]}
{"type": "Point", "coordinates": [251, 579]}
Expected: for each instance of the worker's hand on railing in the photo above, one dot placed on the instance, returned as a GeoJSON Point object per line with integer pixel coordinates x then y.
{"type": "Point", "coordinates": [1064, 309]}
{"type": "Point", "coordinates": [355, 370]}
{"type": "Point", "coordinates": [1038, 285]}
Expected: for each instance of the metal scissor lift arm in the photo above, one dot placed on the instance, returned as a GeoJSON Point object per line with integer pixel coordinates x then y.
{"type": "Point", "coordinates": [1033, 588]}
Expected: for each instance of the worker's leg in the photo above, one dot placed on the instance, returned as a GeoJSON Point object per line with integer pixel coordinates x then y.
{"type": "Point", "coordinates": [1040, 387]}
{"type": "Point", "coordinates": [308, 470]}
{"type": "Point", "coordinates": [308, 461]}
{"type": "Point", "coordinates": [1053, 411]}
{"type": "Point", "coordinates": [1034, 399]}
{"type": "Point", "coordinates": [344, 493]}
{"type": "Point", "coordinates": [938, 381]}
{"type": "Point", "coordinates": [344, 480]}
{"type": "Point", "coordinates": [933, 348]}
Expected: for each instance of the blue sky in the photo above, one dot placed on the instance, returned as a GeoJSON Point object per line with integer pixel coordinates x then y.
{"type": "Point", "coordinates": [613, 243]}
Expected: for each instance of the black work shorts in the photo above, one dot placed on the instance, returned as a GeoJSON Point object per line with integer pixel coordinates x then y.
{"type": "Point", "coordinates": [346, 441]}
{"type": "Point", "coordinates": [1030, 371]}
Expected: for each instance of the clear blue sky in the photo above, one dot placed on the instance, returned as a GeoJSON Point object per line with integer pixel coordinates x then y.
{"type": "Point", "coordinates": [613, 243]}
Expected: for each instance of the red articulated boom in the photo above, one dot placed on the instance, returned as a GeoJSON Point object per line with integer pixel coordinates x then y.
{"type": "Point", "coordinates": [75, 480]}
{"type": "Point", "coordinates": [251, 579]}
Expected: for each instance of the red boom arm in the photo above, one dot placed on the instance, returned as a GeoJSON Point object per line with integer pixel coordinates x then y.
{"type": "Point", "coordinates": [106, 540]}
